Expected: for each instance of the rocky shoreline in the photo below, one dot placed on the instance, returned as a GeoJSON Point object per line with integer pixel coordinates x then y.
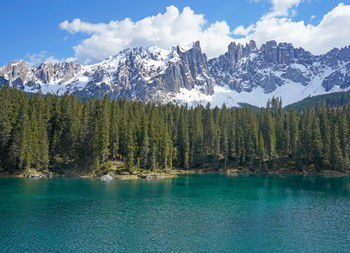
{"type": "Point", "coordinates": [235, 172]}
{"type": "Point", "coordinates": [149, 175]}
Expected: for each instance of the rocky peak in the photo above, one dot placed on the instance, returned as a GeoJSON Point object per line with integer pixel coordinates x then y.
{"type": "Point", "coordinates": [243, 68]}
{"type": "Point", "coordinates": [236, 52]}
{"type": "Point", "coordinates": [16, 68]}
{"type": "Point", "coordinates": [45, 72]}
{"type": "Point", "coordinates": [193, 61]}
{"type": "Point", "coordinates": [281, 53]}
{"type": "Point", "coordinates": [19, 72]}
{"type": "Point", "coordinates": [336, 54]}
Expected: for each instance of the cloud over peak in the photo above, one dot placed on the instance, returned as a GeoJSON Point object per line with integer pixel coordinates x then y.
{"type": "Point", "coordinates": [331, 32]}
{"type": "Point", "coordinates": [164, 30]}
{"type": "Point", "coordinates": [174, 27]}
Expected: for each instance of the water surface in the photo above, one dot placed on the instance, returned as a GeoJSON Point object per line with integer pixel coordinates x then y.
{"type": "Point", "coordinates": [195, 213]}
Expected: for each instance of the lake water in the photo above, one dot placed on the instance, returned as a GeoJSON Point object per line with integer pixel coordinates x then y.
{"type": "Point", "coordinates": [195, 213]}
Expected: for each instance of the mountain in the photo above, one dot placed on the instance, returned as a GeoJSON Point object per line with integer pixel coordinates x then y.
{"type": "Point", "coordinates": [279, 70]}
{"type": "Point", "coordinates": [183, 74]}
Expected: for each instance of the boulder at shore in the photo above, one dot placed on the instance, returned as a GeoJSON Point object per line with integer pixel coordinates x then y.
{"type": "Point", "coordinates": [34, 176]}
{"type": "Point", "coordinates": [106, 178]}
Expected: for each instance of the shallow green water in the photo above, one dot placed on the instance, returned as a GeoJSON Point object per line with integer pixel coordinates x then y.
{"type": "Point", "coordinates": [197, 213]}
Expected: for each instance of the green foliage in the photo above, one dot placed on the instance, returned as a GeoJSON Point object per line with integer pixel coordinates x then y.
{"type": "Point", "coordinates": [64, 133]}
{"type": "Point", "coordinates": [336, 99]}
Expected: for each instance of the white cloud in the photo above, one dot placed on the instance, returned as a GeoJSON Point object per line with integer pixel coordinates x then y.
{"type": "Point", "coordinates": [331, 32]}
{"type": "Point", "coordinates": [240, 30]}
{"type": "Point", "coordinates": [282, 7]}
{"type": "Point", "coordinates": [164, 30]}
{"type": "Point", "coordinates": [37, 58]}
{"type": "Point", "coordinates": [174, 27]}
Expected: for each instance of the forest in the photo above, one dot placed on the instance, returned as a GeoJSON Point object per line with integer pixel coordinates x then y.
{"type": "Point", "coordinates": [335, 99]}
{"type": "Point", "coordinates": [57, 134]}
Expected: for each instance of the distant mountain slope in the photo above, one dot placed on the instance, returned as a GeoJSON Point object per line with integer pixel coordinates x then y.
{"type": "Point", "coordinates": [333, 100]}
{"type": "Point", "coordinates": [183, 74]}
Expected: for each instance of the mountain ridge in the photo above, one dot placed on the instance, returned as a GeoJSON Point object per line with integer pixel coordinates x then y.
{"type": "Point", "coordinates": [183, 74]}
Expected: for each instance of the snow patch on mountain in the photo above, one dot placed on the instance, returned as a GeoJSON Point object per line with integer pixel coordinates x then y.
{"type": "Point", "coordinates": [290, 93]}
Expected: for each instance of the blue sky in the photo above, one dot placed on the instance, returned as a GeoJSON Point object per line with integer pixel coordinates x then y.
{"type": "Point", "coordinates": [34, 30]}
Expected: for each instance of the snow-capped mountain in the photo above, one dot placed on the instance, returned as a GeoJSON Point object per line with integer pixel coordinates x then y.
{"type": "Point", "coordinates": [182, 74]}
{"type": "Point", "coordinates": [145, 74]}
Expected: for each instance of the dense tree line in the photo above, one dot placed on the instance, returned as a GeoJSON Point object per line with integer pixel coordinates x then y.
{"type": "Point", "coordinates": [335, 99]}
{"type": "Point", "coordinates": [59, 133]}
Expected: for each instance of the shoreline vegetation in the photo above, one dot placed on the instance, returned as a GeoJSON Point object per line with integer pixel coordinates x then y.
{"type": "Point", "coordinates": [166, 174]}
{"type": "Point", "coordinates": [64, 136]}
{"type": "Point", "coordinates": [116, 170]}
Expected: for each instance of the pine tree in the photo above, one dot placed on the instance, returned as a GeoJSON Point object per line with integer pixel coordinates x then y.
{"type": "Point", "coordinates": [293, 133]}
{"type": "Point", "coordinates": [114, 131]}
{"type": "Point", "coordinates": [336, 157]}
{"type": "Point", "coordinates": [196, 139]}
{"type": "Point", "coordinates": [183, 142]}
{"type": "Point", "coordinates": [20, 153]}
{"type": "Point", "coordinates": [240, 155]}
{"type": "Point", "coordinates": [326, 136]}
{"type": "Point", "coordinates": [130, 157]}
{"type": "Point", "coordinates": [5, 123]}
{"type": "Point", "coordinates": [209, 130]}
{"type": "Point", "coordinates": [261, 150]}
{"type": "Point", "coordinates": [316, 144]}
{"type": "Point", "coordinates": [344, 138]}
{"type": "Point", "coordinates": [269, 133]}
{"type": "Point", "coordinates": [306, 137]}
{"type": "Point", "coordinates": [145, 144]}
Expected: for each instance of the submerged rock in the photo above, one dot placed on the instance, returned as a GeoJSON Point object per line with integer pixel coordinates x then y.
{"type": "Point", "coordinates": [152, 176]}
{"type": "Point", "coordinates": [106, 178]}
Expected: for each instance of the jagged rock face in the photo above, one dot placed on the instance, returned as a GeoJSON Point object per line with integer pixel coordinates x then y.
{"type": "Point", "coordinates": [244, 68]}
{"type": "Point", "coordinates": [157, 75]}
{"type": "Point", "coordinates": [190, 71]}
{"type": "Point", "coordinates": [145, 74]}
{"type": "Point", "coordinates": [20, 73]}
{"type": "Point", "coordinates": [60, 72]}
{"type": "Point", "coordinates": [26, 77]}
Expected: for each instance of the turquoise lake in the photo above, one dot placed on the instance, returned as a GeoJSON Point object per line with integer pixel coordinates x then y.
{"type": "Point", "coordinates": [194, 213]}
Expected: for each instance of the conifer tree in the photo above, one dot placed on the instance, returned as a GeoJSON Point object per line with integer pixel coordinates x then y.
{"type": "Point", "coordinates": [269, 132]}
{"type": "Point", "coordinates": [326, 136]}
{"type": "Point", "coordinates": [344, 138]}
{"type": "Point", "coordinates": [56, 133]}
{"type": "Point", "coordinates": [183, 142]}
{"type": "Point", "coordinates": [316, 144]}
{"type": "Point", "coordinates": [336, 157]}
{"type": "Point", "coordinates": [114, 131]}
{"type": "Point", "coordinates": [293, 133]}
{"type": "Point", "coordinates": [5, 123]}
{"type": "Point", "coordinates": [261, 150]}
{"type": "Point", "coordinates": [145, 144]}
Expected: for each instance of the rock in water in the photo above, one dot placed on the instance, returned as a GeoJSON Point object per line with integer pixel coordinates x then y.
{"type": "Point", "coordinates": [149, 177]}
{"type": "Point", "coordinates": [34, 176]}
{"type": "Point", "coordinates": [106, 178]}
